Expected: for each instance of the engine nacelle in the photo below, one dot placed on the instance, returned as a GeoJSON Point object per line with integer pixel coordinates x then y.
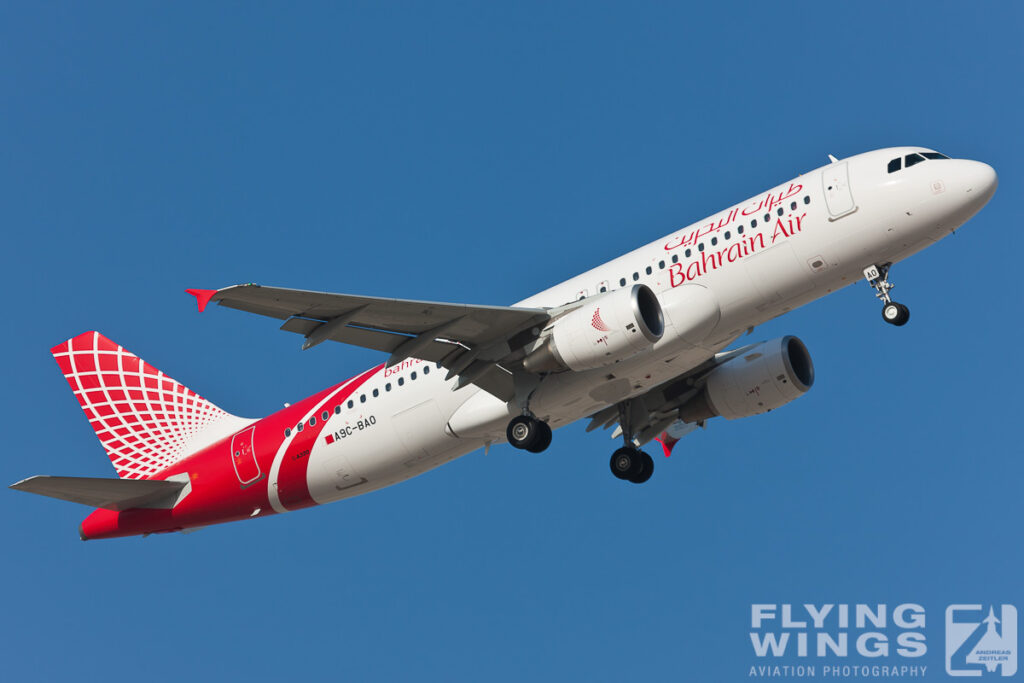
{"type": "Point", "coordinates": [606, 329]}
{"type": "Point", "coordinates": [770, 375]}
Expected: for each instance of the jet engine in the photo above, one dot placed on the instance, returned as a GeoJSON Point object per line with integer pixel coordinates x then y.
{"type": "Point", "coordinates": [606, 329]}
{"type": "Point", "coordinates": [770, 375]}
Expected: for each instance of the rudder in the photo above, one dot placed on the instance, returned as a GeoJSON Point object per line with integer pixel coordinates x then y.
{"type": "Point", "coordinates": [145, 420]}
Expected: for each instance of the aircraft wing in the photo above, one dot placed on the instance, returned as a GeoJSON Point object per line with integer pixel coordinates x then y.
{"type": "Point", "coordinates": [470, 341]}
{"type": "Point", "coordinates": [655, 414]}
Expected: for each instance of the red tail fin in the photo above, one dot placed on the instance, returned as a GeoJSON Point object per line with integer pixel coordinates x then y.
{"type": "Point", "coordinates": [145, 420]}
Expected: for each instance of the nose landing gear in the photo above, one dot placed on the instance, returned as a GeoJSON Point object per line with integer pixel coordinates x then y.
{"type": "Point", "coordinates": [895, 314]}
{"type": "Point", "coordinates": [892, 312]}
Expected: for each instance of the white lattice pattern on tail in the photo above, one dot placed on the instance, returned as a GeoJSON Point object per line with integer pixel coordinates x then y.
{"type": "Point", "coordinates": [145, 420]}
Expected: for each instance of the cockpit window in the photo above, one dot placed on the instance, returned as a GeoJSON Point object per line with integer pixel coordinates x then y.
{"type": "Point", "coordinates": [914, 159]}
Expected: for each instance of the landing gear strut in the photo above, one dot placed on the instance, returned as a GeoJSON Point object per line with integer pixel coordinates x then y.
{"type": "Point", "coordinates": [630, 463]}
{"type": "Point", "coordinates": [528, 433]}
{"type": "Point", "coordinates": [892, 312]}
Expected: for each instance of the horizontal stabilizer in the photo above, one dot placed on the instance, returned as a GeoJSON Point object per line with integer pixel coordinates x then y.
{"type": "Point", "coordinates": [112, 494]}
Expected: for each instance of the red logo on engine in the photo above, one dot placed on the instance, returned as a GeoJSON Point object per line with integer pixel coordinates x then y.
{"type": "Point", "coordinates": [599, 324]}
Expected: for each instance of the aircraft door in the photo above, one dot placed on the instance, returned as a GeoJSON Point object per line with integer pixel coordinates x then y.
{"type": "Point", "coordinates": [835, 183]}
{"type": "Point", "coordinates": [243, 457]}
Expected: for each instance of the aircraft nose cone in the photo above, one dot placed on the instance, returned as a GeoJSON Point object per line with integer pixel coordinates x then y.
{"type": "Point", "coordinates": [980, 182]}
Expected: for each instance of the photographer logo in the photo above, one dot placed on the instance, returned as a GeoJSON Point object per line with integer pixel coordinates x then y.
{"type": "Point", "coordinates": [981, 640]}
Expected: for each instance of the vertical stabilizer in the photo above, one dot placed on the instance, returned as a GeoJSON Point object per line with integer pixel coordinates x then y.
{"type": "Point", "coordinates": [145, 420]}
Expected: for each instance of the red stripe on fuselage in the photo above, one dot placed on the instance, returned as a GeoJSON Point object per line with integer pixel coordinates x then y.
{"type": "Point", "coordinates": [292, 483]}
{"type": "Point", "coordinates": [217, 495]}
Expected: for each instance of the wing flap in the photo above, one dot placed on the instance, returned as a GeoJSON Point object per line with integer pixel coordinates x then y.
{"type": "Point", "coordinates": [111, 494]}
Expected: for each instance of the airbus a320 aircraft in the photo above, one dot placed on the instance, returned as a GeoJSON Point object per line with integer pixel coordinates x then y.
{"type": "Point", "coordinates": [637, 343]}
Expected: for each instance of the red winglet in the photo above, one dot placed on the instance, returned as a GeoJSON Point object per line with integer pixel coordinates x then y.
{"type": "Point", "coordinates": [667, 443]}
{"type": "Point", "coordinates": [202, 296]}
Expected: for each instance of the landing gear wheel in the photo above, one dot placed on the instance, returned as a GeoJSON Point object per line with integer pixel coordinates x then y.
{"type": "Point", "coordinates": [895, 314]}
{"type": "Point", "coordinates": [627, 463]}
{"type": "Point", "coordinates": [543, 439]}
{"type": "Point", "coordinates": [528, 434]}
{"type": "Point", "coordinates": [646, 469]}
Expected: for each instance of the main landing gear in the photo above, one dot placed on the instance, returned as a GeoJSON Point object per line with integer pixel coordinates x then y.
{"type": "Point", "coordinates": [630, 463]}
{"type": "Point", "coordinates": [892, 312]}
{"type": "Point", "coordinates": [528, 433]}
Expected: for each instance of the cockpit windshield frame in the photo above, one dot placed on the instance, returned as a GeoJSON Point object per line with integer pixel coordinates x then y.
{"type": "Point", "coordinates": [913, 159]}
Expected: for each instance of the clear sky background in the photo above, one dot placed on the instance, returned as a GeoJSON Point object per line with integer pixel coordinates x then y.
{"type": "Point", "coordinates": [466, 152]}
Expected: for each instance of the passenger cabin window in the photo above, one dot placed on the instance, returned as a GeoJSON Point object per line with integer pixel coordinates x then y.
{"type": "Point", "coordinates": [895, 165]}
{"type": "Point", "coordinates": [912, 159]}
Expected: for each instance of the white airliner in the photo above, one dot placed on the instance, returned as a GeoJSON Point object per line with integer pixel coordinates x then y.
{"type": "Point", "coordinates": [637, 343]}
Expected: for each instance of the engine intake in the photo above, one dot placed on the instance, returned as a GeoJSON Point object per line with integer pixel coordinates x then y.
{"type": "Point", "coordinates": [770, 375]}
{"type": "Point", "coordinates": [606, 329]}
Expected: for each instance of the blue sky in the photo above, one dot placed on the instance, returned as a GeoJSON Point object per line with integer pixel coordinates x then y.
{"type": "Point", "coordinates": [470, 152]}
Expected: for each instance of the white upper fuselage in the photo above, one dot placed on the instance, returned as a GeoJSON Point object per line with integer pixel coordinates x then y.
{"type": "Point", "coordinates": [715, 279]}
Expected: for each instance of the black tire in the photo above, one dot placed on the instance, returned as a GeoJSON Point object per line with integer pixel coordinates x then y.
{"type": "Point", "coordinates": [543, 439]}
{"type": "Point", "coordinates": [522, 432]}
{"type": "Point", "coordinates": [626, 463]}
{"type": "Point", "coordinates": [646, 469]}
{"type": "Point", "coordinates": [895, 314]}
